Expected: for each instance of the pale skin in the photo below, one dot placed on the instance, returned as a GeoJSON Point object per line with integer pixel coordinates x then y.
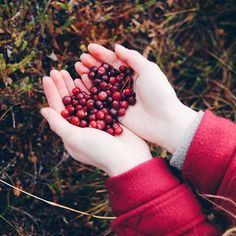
{"type": "Point", "coordinates": [158, 116]}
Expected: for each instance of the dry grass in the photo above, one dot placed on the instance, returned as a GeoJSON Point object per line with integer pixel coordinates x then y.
{"type": "Point", "coordinates": [192, 41]}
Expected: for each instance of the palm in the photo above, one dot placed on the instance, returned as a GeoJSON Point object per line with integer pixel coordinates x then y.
{"type": "Point", "coordinates": [87, 145]}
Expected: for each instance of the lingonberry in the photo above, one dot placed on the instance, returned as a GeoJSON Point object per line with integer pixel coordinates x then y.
{"type": "Point", "coordinates": [112, 80]}
{"type": "Point", "coordinates": [101, 124]}
{"type": "Point", "coordinates": [113, 112]}
{"type": "Point", "coordinates": [122, 68]}
{"type": "Point", "coordinates": [102, 96]}
{"type": "Point", "coordinates": [118, 131]}
{"type": "Point", "coordinates": [121, 112]}
{"type": "Point", "coordinates": [70, 108]}
{"type": "Point", "coordinates": [93, 124]}
{"type": "Point", "coordinates": [79, 95]}
{"type": "Point", "coordinates": [82, 101]}
{"type": "Point", "coordinates": [75, 90]}
{"type": "Point", "coordinates": [131, 100]}
{"type": "Point", "coordinates": [104, 110]}
{"type": "Point", "coordinates": [75, 102]}
{"type": "Point", "coordinates": [124, 104]}
{"type": "Point", "coordinates": [81, 113]}
{"type": "Point", "coordinates": [110, 131]}
{"type": "Point", "coordinates": [74, 120]}
{"type": "Point", "coordinates": [65, 113]}
{"type": "Point", "coordinates": [108, 119]}
{"type": "Point", "coordinates": [99, 104]}
{"type": "Point", "coordinates": [92, 117]}
{"type": "Point", "coordinates": [101, 70]}
{"type": "Point", "coordinates": [116, 104]}
{"type": "Point", "coordinates": [83, 124]}
{"type": "Point", "coordinates": [116, 95]}
{"type": "Point", "coordinates": [91, 75]}
{"type": "Point", "coordinates": [100, 115]}
{"type": "Point", "coordinates": [127, 91]}
{"type": "Point", "coordinates": [78, 107]}
{"type": "Point", "coordinates": [90, 104]}
{"type": "Point", "coordinates": [66, 100]}
{"type": "Point", "coordinates": [103, 85]}
{"type": "Point", "coordinates": [94, 90]}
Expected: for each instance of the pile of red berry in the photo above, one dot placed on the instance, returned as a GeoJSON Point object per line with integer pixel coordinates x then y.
{"type": "Point", "coordinates": [109, 97]}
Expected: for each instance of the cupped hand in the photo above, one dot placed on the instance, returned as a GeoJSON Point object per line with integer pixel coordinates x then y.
{"type": "Point", "coordinates": [158, 115]}
{"type": "Point", "coordinates": [113, 154]}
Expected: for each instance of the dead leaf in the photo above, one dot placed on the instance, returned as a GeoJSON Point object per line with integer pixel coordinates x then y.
{"type": "Point", "coordinates": [16, 191]}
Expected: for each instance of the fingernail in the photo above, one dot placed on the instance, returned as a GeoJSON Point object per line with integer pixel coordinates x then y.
{"type": "Point", "coordinates": [43, 112]}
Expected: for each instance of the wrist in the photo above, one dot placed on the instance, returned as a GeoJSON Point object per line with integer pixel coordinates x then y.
{"type": "Point", "coordinates": [128, 163]}
{"type": "Point", "coordinates": [181, 118]}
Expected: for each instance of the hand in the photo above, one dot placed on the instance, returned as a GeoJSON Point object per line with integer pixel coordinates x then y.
{"type": "Point", "coordinates": [114, 155]}
{"type": "Point", "coordinates": [158, 116]}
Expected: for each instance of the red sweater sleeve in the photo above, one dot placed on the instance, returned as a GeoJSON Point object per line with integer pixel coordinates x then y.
{"type": "Point", "coordinates": [149, 200]}
{"type": "Point", "coordinates": [210, 163]}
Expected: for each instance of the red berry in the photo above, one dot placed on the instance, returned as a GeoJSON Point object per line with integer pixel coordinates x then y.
{"type": "Point", "coordinates": [121, 112]}
{"type": "Point", "coordinates": [99, 104]}
{"type": "Point", "coordinates": [92, 117]}
{"type": "Point", "coordinates": [105, 110]}
{"type": "Point", "coordinates": [70, 108]}
{"type": "Point", "coordinates": [103, 85]}
{"type": "Point", "coordinates": [131, 100]}
{"type": "Point", "coordinates": [93, 124]}
{"type": "Point", "coordinates": [118, 131]}
{"type": "Point", "coordinates": [124, 104]}
{"type": "Point", "coordinates": [65, 113]}
{"type": "Point", "coordinates": [93, 111]}
{"type": "Point", "coordinates": [110, 131]}
{"type": "Point", "coordinates": [78, 107]}
{"type": "Point", "coordinates": [116, 95]}
{"type": "Point", "coordinates": [75, 120]}
{"type": "Point", "coordinates": [102, 96]}
{"type": "Point", "coordinates": [83, 124]}
{"type": "Point", "coordinates": [112, 80]}
{"type": "Point", "coordinates": [122, 68]}
{"type": "Point", "coordinates": [81, 113]}
{"type": "Point", "coordinates": [90, 104]}
{"type": "Point", "coordinates": [82, 101]}
{"type": "Point", "coordinates": [100, 115]}
{"type": "Point", "coordinates": [101, 70]}
{"type": "Point", "coordinates": [115, 125]}
{"type": "Point", "coordinates": [66, 100]}
{"type": "Point", "coordinates": [101, 124]}
{"type": "Point", "coordinates": [108, 119]}
{"type": "Point", "coordinates": [127, 91]}
{"type": "Point", "coordinates": [75, 102]}
{"type": "Point", "coordinates": [94, 90]}
{"type": "Point", "coordinates": [75, 90]}
{"type": "Point", "coordinates": [113, 112]}
{"type": "Point", "coordinates": [79, 95]}
{"type": "Point", "coordinates": [116, 104]}
{"type": "Point", "coordinates": [91, 75]}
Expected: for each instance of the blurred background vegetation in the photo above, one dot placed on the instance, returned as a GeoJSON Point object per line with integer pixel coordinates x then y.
{"type": "Point", "coordinates": [192, 41]}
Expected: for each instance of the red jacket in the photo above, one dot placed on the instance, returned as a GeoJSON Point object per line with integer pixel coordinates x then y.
{"type": "Point", "coordinates": [150, 200]}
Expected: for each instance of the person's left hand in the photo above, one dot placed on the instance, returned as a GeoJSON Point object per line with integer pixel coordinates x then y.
{"type": "Point", "coordinates": [113, 154]}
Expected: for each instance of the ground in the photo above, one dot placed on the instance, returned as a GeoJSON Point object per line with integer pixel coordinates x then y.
{"type": "Point", "coordinates": [192, 41]}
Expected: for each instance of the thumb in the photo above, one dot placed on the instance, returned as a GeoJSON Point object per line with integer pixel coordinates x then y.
{"type": "Point", "coordinates": [130, 57]}
{"type": "Point", "coordinates": [57, 123]}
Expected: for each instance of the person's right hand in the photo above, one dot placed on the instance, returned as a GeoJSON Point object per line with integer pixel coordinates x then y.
{"type": "Point", "coordinates": [158, 116]}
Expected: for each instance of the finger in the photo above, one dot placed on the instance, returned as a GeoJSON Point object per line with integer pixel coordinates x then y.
{"type": "Point", "coordinates": [103, 54]}
{"type": "Point", "coordinates": [89, 60]}
{"type": "Point", "coordinates": [58, 124]}
{"type": "Point", "coordinates": [131, 57]}
{"type": "Point", "coordinates": [59, 82]}
{"type": "Point", "coordinates": [79, 83]}
{"type": "Point", "coordinates": [68, 80]}
{"type": "Point", "coordinates": [52, 94]}
{"type": "Point", "coordinates": [87, 82]}
{"type": "Point", "coordinates": [81, 68]}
